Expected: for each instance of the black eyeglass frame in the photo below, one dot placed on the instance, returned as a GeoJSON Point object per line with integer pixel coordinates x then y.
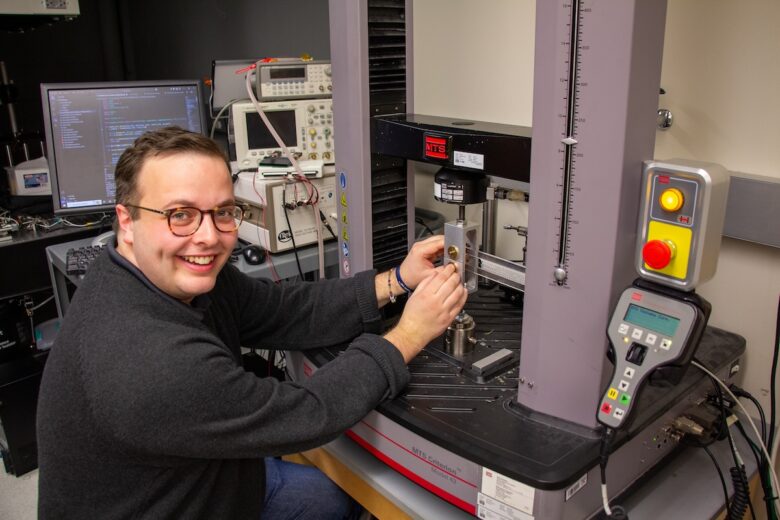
{"type": "Point", "coordinates": [168, 212]}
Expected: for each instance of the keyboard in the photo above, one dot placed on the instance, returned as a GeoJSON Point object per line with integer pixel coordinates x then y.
{"type": "Point", "coordinates": [78, 259]}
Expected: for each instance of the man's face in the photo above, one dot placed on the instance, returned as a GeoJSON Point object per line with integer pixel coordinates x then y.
{"type": "Point", "coordinates": [182, 267]}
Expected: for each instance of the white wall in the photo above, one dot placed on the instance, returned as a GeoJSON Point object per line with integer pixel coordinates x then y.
{"type": "Point", "coordinates": [474, 59]}
{"type": "Point", "coordinates": [721, 71]}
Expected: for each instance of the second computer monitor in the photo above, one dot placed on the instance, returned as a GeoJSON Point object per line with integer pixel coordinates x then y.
{"type": "Point", "coordinates": [89, 125]}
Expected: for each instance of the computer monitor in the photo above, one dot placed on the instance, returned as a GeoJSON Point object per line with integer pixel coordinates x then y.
{"type": "Point", "coordinates": [89, 125]}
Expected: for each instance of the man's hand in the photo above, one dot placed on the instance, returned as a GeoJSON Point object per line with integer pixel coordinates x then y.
{"type": "Point", "coordinates": [418, 264]}
{"type": "Point", "coordinates": [429, 311]}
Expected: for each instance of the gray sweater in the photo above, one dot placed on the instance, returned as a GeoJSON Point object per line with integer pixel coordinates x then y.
{"type": "Point", "coordinates": [145, 410]}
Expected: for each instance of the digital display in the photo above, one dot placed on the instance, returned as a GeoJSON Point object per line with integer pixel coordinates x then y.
{"type": "Point", "coordinates": [36, 180]}
{"type": "Point", "coordinates": [655, 321]}
{"type": "Point", "coordinates": [287, 73]}
{"type": "Point", "coordinates": [258, 136]}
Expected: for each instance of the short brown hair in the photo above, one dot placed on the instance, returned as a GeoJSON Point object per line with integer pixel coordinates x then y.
{"type": "Point", "coordinates": [155, 143]}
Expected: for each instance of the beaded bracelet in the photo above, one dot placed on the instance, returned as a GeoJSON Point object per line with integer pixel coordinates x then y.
{"type": "Point", "coordinates": [401, 282]}
{"type": "Point", "coordinates": [390, 286]}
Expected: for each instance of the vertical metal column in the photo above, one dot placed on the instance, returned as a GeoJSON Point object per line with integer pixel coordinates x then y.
{"type": "Point", "coordinates": [410, 168]}
{"type": "Point", "coordinates": [351, 123]}
{"type": "Point", "coordinates": [596, 80]}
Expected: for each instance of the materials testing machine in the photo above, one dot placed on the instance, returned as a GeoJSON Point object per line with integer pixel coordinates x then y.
{"type": "Point", "coordinates": [503, 417]}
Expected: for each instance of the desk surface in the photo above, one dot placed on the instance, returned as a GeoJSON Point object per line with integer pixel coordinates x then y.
{"type": "Point", "coordinates": [23, 259]}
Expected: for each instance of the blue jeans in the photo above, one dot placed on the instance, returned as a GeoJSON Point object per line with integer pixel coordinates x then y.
{"type": "Point", "coordinates": [295, 491]}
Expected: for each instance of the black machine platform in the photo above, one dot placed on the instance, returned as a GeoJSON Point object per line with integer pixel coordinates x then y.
{"type": "Point", "coordinates": [483, 423]}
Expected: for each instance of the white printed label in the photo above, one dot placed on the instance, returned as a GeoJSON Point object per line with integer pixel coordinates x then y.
{"type": "Point", "coordinates": [469, 160]}
{"type": "Point", "coordinates": [576, 486]}
{"type": "Point", "coordinates": [490, 509]}
{"type": "Point", "coordinates": [508, 491]}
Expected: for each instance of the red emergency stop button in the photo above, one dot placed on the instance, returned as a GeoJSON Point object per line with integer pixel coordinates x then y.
{"type": "Point", "coordinates": [658, 253]}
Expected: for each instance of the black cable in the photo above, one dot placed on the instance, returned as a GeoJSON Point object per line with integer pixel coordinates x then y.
{"type": "Point", "coordinates": [760, 414]}
{"type": "Point", "coordinates": [763, 474]}
{"type": "Point", "coordinates": [292, 235]}
{"type": "Point", "coordinates": [325, 223]}
{"type": "Point", "coordinates": [739, 392]}
{"type": "Point", "coordinates": [618, 512]}
{"type": "Point", "coordinates": [758, 454]}
{"type": "Point", "coordinates": [270, 362]}
{"type": "Point", "coordinates": [720, 474]}
{"type": "Point", "coordinates": [741, 500]}
{"type": "Point", "coordinates": [420, 221]}
{"type": "Point", "coordinates": [772, 380]}
{"type": "Point", "coordinates": [606, 442]}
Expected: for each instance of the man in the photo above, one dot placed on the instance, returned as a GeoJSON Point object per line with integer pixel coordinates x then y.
{"type": "Point", "coordinates": [145, 410]}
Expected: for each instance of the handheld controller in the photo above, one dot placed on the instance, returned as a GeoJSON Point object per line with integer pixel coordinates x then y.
{"type": "Point", "coordinates": [648, 330]}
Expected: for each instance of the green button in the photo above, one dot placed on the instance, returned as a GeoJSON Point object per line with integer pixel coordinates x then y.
{"type": "Point", "coordinates": [625, 399]}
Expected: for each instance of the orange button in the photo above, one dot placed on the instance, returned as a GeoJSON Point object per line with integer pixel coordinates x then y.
{"type": "Point", "coordinates": [671, 199]}
{"type": "Point", "coordinates": [657, 253]}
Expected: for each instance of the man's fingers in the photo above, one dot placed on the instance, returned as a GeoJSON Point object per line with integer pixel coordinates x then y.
{"type": "Point", "coordinates": [441, 277]}
{"type": "Point", "coordinates": [431, 246]}
{"type": "Point", "coordinates": [450, 283]}
{"type": "Point", "coordinates": [456, 298]}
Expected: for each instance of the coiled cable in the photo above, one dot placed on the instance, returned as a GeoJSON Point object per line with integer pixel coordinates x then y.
{"type": "Point", "coordinates": [741, 499]}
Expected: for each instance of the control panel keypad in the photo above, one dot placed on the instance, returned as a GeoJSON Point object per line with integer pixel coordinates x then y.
{"type": "Point", "coordinates": [316, 82]}
{"type": "Point", "coordinates": [647, 339]}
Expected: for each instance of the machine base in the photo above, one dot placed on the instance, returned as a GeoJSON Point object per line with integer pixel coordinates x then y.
{"type": "Point", "coordinates": [470, 443]}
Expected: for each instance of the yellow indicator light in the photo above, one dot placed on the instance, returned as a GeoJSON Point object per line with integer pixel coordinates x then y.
{"type": "Point", "coordinates": [672, 199]}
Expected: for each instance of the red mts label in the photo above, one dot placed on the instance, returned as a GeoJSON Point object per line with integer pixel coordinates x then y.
{"type": "Point", "coordinates": [436, 147]}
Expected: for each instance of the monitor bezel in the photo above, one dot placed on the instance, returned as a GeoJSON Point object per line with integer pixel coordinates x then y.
{"type": "Point", "coordinates": [99, 85]}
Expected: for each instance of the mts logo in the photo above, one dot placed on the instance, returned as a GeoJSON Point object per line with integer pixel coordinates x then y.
{"type": "Point", "coordinates": [436, 147]}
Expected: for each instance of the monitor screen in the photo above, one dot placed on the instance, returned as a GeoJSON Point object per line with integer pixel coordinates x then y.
{"type": "Point", "coordinates": [89, 125]}
{"type": "Point", "coordinates": [259, 137]}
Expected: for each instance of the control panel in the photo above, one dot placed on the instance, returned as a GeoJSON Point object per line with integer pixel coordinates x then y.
{"type": "Point", "coordinates": [681, 221]}
{"type": "Point", "coordinates": [647, 330]}
{"type": "Point", "coordinates": [304, 125]}
{"type": "Point", "coordinates": [280, 213]}
{"type": "Point", "coordinates": [300, 79]}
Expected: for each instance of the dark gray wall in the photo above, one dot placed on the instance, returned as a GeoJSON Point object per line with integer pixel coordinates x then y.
{"type": "Point", "coordinates": [180, 38]}
{"type": "Point", "coordinates": [63, 51]}
{"type": "Point", "coordinates": [156, 39]}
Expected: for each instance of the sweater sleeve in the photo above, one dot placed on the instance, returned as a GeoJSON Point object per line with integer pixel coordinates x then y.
{"type": "Point", "coordinates": [303, 315]}
{"type": "Point", "coordinates": [191, 399]}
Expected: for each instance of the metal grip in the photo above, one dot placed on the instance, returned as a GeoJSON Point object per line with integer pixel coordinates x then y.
{"type": "Point", "coordinates": [460, 246]}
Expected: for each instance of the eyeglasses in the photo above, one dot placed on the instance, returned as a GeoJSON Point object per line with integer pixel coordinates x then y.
{"type": "Point", "coordinates": [185, 221]}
